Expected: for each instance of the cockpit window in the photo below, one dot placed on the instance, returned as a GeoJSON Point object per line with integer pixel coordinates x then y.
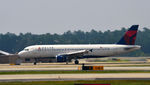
{"type": "Point", "coordinates": [26, 49]}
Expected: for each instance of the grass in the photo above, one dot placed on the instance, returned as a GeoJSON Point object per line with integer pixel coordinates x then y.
{"type": "Point", "coordinates": [67, 72]}
{"type": "Point", "coordinates": [112, 82]}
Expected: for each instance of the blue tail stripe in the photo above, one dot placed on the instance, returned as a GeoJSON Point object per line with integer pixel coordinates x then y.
{"type": "Point", "coordinates": [134, 27]}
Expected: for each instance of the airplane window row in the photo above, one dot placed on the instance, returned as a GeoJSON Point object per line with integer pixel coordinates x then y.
{"type": "Point", "coordinates": [46, 49]}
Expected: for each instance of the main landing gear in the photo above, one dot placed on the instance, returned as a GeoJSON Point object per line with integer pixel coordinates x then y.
{"type": "Point", "coordinates": [76, 62]}
{"type": "Point", "coordinates": [35, 61]}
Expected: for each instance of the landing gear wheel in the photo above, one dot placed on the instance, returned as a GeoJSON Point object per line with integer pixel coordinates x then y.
{"type": "Point", "coordinates": [35, 63]}
{"type": "Point", "coordinates": [66, 62]}
{"type": "Point", "coordinates": [76, 62]}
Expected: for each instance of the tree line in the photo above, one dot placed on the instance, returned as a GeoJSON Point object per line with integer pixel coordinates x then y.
{"type": "Point", "coordinates": [13, 43]}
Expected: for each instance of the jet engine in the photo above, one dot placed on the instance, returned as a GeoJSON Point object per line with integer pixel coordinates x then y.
{"type": "Point", "coordinates": [60, 58]}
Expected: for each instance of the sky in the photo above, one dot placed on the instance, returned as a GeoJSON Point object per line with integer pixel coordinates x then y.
{"type": "Point", "coordinates": [59, 16]}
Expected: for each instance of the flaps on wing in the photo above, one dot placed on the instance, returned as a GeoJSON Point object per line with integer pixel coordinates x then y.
{"type": "Point", "coordinates": [76, 53]}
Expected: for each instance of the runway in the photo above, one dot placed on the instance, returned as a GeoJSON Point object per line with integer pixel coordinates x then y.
{"type": "Point", "coordinates": [64, 77]}
{"type": "Point", "coordinates": [63, 66]}
{"type": "Point", "coordinates": [79, 76]}
{"type": "Point", "coordinates": [75, 68]}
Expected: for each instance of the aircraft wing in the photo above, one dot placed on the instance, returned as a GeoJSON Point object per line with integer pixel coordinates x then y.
{"type": "Point", "coordinates": [4, 53]}
{"type": "Point", "coordinates": [76, 53]}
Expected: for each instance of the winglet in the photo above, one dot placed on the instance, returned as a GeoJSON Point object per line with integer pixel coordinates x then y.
{"type": "Point", "coordinates": [130, 36]}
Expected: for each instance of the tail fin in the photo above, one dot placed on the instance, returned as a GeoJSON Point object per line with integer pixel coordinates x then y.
{"type": "Point", "coordinates": [130, 36]}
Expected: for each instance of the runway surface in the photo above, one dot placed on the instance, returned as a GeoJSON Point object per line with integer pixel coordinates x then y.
{"type": "Point", "coordinates": [75, 68]}
{"type": "Point", "coordinates": [63, 66]}
{"type": "Point", "coordinates": [64, 77]}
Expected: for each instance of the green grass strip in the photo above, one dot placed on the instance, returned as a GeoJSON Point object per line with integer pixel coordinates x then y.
{"type": "Point", "coordinates": [112, 82]}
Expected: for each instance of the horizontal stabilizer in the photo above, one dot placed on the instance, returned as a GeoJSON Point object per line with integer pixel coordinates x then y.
{"type": "Point", "coordinates": [4, 53]}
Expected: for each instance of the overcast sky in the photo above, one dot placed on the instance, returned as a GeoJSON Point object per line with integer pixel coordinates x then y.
{"type": "Point", "coordinates": [58, 16]}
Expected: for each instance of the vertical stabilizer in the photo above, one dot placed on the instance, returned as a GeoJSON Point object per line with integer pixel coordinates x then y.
{"type": "Point", "coordinates": [130, 36]}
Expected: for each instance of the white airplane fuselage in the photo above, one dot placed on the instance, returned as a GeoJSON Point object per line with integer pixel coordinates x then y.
{"type": "Point", "coordinates": [97, 50]}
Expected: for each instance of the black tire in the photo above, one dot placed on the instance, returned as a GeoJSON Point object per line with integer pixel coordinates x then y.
{"type": "Point", "coordinates": [35, 63]}
{"type": "Point", "coordinates": [66, 62]}
{"type": "Point", "coordinates": [76, 62]}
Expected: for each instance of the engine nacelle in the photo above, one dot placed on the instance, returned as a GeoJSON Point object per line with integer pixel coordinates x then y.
{"type": "Point", "coordinates": [60, 58]}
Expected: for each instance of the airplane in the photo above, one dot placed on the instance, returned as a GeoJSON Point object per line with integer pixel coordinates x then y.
{"type": "Point", "coordinates": [65, 53]}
